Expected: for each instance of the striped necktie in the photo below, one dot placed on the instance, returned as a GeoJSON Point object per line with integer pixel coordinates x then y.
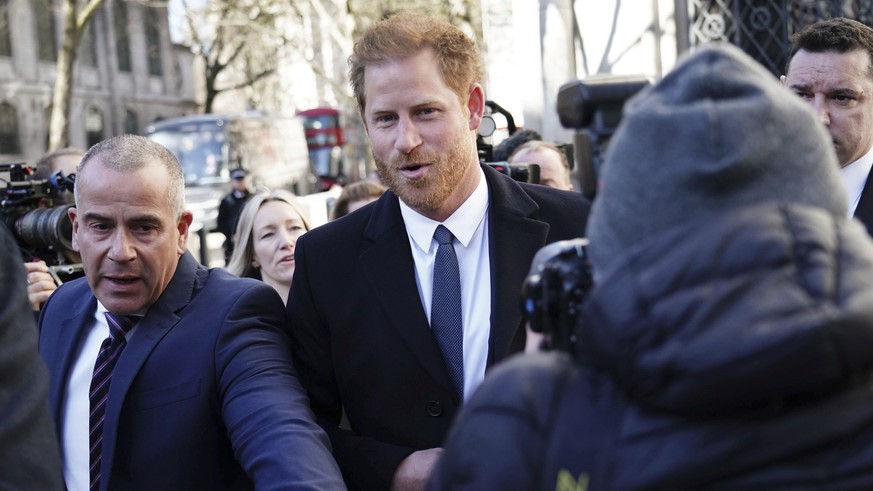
{"type": "Point", "coordinates": [110, 351]}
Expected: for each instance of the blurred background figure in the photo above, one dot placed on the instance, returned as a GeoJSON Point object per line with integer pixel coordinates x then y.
{"type": "Point", "coordinates": [29, 455]}
{"type": "Point", "coordinates": [504, 149]}
{"type": "Point", "coordinates": [267, 231]}
{"type": "Point", "coordinates": [40, 284]}
{"type": "Point", "coordinates": [354, 196]}
{"type": "Point", "coordinates": [64, 160]}
{"type": "Point", "coordinates": [230, 207]}
{"type": "Point", "coordinates": [554, 167]}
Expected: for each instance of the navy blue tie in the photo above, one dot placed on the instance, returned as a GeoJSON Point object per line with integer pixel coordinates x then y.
{"type": "Point", "coordinates": [110, 350]}
{"type": "Point", "coordinates": [445, 309]}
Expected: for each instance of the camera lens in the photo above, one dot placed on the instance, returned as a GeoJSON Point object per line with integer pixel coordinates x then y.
{"type": "Point", "coordinates": [46, 228]}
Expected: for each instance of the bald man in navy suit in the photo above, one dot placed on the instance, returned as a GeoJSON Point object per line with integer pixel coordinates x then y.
{"type": "Point", "coordinates": [203, 395]}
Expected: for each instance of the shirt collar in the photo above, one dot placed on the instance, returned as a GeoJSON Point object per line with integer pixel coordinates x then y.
{"type": "Point", "coordinates": [462, 223]}
{"type": "Point", "coordinates": [855, 175]}
{"type": "Point", "coordinates": [102, 311]}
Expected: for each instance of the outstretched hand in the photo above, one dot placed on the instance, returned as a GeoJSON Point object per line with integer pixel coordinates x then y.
{"type": "Point", "coordinates": [40, 283]}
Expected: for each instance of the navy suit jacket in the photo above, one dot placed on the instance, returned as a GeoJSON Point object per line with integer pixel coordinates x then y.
{"type": "Point", "coordinates": [360, 336]}
{"type": "Point", "coordinates": [204, 395]}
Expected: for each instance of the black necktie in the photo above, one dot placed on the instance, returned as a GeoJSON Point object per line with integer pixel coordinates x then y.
{"type": "Point", "coordinates": [110, 350]}
{"type": "Point", "coordinates": [445, 310]}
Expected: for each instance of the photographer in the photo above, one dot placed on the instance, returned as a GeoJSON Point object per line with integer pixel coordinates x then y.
{"type": "Point", "coordinates": [40, 283]}
{"type": "Point", "coordinates": [554, 166]}
{"type": "Point", "coordinates": [726, 340]}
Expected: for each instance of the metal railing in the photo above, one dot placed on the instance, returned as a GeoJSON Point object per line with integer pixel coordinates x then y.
{"type": "Point", "coordinates": [763, 28]}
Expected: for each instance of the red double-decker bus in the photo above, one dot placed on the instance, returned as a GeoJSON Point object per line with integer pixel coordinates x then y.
{"type": "Point", "coordinates": [325, 139]}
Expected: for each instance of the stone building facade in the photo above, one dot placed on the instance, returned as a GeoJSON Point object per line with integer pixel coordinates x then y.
{"type": "Point", "coordinates": [127, 74]}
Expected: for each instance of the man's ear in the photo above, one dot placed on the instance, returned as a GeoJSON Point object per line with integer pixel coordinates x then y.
{"type": "Point", "coordinates": [476, 106]}
{"type": "Point", "coordinates": [184, 226]}
{"type": "Point", "coordinates": [73, 213]}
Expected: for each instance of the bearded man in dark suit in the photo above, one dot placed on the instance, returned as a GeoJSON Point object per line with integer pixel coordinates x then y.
{"type": "Point", "coordinates": [360, 308]}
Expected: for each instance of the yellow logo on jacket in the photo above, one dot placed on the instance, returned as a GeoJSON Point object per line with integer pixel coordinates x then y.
{"type": "Point", "coordinates": [566, 482]}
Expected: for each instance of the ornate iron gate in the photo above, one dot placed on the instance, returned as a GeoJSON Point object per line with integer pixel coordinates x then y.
{"type": "Point", "coordinates": [762, 28]}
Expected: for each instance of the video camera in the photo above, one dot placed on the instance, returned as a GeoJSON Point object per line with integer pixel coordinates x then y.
{"type": "Point", "coordinates": [560, 275]}
{"type": "Point", "coordinates": [593, 107]}
{"type": "Point", "coordinates": [33, 212]}
{"type": "Point", "coordinates": [519, 172]}
{"type": "Point", "coordinates": [559, 280]}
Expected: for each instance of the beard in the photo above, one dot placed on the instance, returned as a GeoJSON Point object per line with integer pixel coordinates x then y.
{"type": "Point", "coordinates": [428, 193]}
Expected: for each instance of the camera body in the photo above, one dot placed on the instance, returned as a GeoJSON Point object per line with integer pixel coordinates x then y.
{"type": "Point", "coordinates": [593, 108]}
{"type": "Point", "coordinates": [560, 275]}
{"type": "Point", "coordinates": [519, 172]}
{"type": "Point", "coordinates": [32, 209]}
{"type": "Point", "coordinates": [552, 294]}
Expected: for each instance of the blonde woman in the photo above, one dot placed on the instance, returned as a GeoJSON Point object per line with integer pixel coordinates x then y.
{"type": "Point", "coordinates": [266, 234]}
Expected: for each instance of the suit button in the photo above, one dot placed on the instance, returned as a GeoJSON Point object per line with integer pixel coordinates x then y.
{"type": "Point", "coordinates": [433, 408]}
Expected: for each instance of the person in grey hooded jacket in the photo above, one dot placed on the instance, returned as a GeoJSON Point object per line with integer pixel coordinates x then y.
{"type": "Point", "coordinates": [29, 455]}
{"type": "Point", "coordinates": [728, 340]}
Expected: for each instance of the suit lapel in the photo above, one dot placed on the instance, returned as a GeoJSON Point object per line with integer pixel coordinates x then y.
{"type": "Point", "coordinates": [158, 321]}
{"type": "Point", "coordinates": [513, 241]}
{"type": "Point", "coordinates": [864, 211]}
{"type": "Point", "coordinates": [70, 336]}
{"type": "Point", "coordinates": [388, 265]}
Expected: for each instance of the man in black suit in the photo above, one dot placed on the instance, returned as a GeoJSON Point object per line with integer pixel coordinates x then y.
{"type": "Point", "coordinates": [360, 304]}
{"type": "Point", "coordinates": [831, 67]}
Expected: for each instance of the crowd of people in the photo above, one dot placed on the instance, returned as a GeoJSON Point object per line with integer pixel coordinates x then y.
{"type": "Point", "coordinates": [723, 344]}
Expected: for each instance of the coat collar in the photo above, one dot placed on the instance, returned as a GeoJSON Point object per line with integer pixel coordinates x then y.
{"type": "Point", "coordinates": [864, 210]}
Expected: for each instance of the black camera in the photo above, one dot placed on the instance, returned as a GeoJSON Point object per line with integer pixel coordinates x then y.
{"type": "Point", "coordinates": [519, 172]}
{"type": "Point", "coordinates": [33, 211]}
{"type": "Point", "coordinates": [593, 107]}
{"type": "Point", "coordinates": [552, 294]}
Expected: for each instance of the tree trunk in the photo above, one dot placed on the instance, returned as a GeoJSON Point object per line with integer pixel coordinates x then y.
{"type": "Point", "coordinates": [210, 99]}
{"type": "Point", "coordinates": [63, 91]}
{"type": "Point", "coordinates": [75, 21]}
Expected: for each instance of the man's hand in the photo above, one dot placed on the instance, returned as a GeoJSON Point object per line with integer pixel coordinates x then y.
{"type": "Point", "coordinates": [40, 283]}
{"type": "Point", "coordinates": [414, 471]}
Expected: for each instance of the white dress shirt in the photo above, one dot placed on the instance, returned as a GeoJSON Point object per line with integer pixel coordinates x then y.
{"type": "Point", "coordinates": [855, 177]}
{"type": "Point", "coordinates": [469, 225]}
{"type": "Point", "coordinates": [77, 405]}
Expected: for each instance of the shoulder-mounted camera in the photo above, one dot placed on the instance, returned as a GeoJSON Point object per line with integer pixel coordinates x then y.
{"type": "Point", "coordinates": [593, 108]}
{"type": "Point", "coordinates": [34, 211]}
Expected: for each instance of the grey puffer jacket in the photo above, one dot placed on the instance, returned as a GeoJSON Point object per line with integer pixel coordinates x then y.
{"type": "Point", "coordinates": [733, 353]}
